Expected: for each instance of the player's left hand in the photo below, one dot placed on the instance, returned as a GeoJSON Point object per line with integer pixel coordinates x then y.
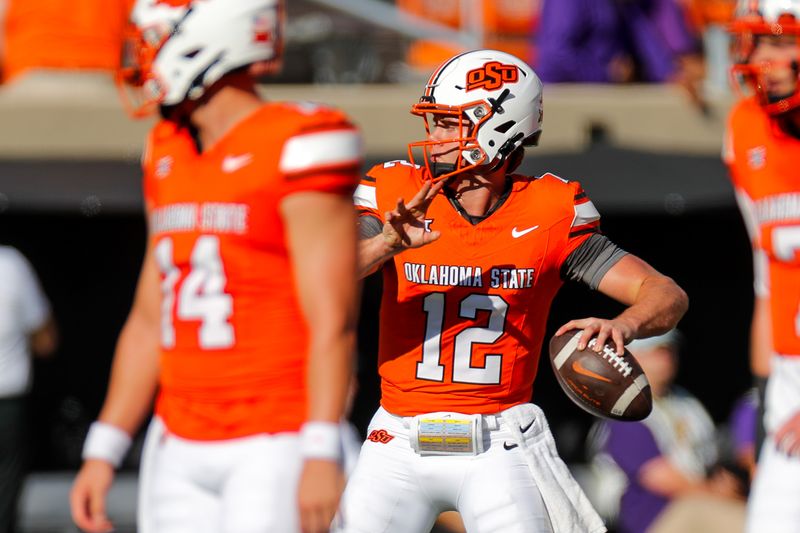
{"type": "Point", "coordinates": [321, 485]}
{"type": "Point", "coordinates": [787, 438]}
{"type": "Point", "coordinates": [405, 224]}
{"type": "Point", "coordinates": [616, 330]}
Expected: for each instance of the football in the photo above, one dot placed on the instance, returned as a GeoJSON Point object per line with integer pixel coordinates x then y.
{"type": "Point", "coordinates": [604, 384]}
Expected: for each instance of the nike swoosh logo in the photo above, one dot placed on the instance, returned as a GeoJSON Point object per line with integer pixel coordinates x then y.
{"type": "Point", "coordinates": [519, 233]}
{"type": "Point", "coordinates": [232, 163]}
{"type": "Point", "coordinates": [526, 428]}
{"type": "Point", "coordinates": [508, 446]}
{"type": "Point", "coordinates": [580, 369]}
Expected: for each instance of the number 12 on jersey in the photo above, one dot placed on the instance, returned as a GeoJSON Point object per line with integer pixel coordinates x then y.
{"type": "Point", "coordinates": [200, 297]}
{"type": "Point", "coordinates": [430, 367]}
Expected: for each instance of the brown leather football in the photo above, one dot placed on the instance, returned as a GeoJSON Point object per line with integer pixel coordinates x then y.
{"type": "Point", "coordinates": [604, 384]}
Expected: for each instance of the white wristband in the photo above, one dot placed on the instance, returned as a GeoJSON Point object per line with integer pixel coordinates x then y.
{"type": "Point", "coordinates": [106, 442]}
{"type": "Point", "coordinates": [321, 440]}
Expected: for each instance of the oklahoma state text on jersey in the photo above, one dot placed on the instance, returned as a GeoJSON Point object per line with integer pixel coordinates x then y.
{"type": "Point", "coordinates": [233, 341]}
{"type": "Point", "coordinates": [462, 319]}
{"type": "Point", "coordinates": [764, 168]}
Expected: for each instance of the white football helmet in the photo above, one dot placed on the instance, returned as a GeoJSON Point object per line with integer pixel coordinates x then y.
{"type": "Point", "coordinates": [175, 52]}
{"type": "Point", "coordinates": [496, 97]}
{"type": "Point", "coordinates": [754, 18]}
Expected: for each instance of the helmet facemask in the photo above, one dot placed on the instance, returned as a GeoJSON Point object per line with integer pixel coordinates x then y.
{"type": "Point", "coordinates": [174, 54]}
{"type": "Point", "coordinates": [465, 143]}
{"type": "Point", "coordinates": [139, 86]}
{"type": "Point", "coordinates": [749, 76]}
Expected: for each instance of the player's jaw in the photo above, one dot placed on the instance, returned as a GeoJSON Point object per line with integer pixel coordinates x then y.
{"type": "Point", "coordinates": [776, 60]}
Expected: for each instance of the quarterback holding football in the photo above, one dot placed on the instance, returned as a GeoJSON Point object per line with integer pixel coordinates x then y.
{"type": "Point", "coordinates": [472, 255]}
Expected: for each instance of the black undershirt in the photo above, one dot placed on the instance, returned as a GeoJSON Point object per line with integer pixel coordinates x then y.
{"type": "Point", "coordinates": [475, 219]}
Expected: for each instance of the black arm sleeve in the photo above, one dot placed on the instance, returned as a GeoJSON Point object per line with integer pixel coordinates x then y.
{"type": "Point", "coordinates": [369, 226]}
{"type": "Point", "coordinates": [590, 261]}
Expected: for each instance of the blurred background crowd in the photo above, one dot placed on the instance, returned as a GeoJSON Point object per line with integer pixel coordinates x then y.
{"type": "Point", "coordinates": [368, 41]}
{"type": "Point", "coordinates": [647, 153]}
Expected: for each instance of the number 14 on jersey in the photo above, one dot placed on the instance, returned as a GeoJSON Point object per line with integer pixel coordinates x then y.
{"type": "Point", "coordinates": [200, 297]}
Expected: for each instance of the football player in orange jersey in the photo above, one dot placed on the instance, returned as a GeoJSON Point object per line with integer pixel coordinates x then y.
{"type": "Point", "coordinates": [471, 263]}
{"type": "Point", "coordinates": [762, 150]}
{"type": "Point", "coordinates": [246, 340]}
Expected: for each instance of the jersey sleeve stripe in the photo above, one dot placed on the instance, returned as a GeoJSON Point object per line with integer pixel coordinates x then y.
{"type": "Point", "coordinates": [577, 232]}
{"type": "Point", "coordinates": [328, 149]}
{"type": "Point", "coordinates": [365, 197]}
{"type": "Point", "coordinates": [369, 178]}
{"type": "Point", "coordinates": [580, 196]}
{"type": "Point", "coordinates": [585, 213]}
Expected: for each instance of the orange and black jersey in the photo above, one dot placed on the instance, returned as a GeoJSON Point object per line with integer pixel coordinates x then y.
{"type": "Point", "coordinates": [234, 341]}
{"type": "Point", "coordinates": [462, 319]}
{"type": "Point", "coordinates": [764, 163]}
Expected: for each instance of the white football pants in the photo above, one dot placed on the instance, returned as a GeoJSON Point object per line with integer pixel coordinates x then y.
{"type": "Point", "coordinates": [245, 485]}
{"type": "Point", "coordinates": [774, 503]}
{"type": "Point", "coordinates": [394, 490]}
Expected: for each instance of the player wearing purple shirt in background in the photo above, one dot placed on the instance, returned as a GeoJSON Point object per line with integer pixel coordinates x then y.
{"type": "Point", "coordinates": [617, 41]}
{"type": "Point", "coordinates": [742, 422]}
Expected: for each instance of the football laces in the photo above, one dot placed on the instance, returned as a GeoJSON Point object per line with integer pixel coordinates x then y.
{"type": "Point", "coordinates": [616, 361]}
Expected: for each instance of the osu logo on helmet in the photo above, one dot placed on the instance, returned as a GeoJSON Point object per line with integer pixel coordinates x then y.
{"type": "Point", "coordinates": [491, 76]}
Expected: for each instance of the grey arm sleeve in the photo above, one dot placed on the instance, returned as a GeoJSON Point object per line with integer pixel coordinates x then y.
{"type": "Point", "coordinates": [590, 261]}
{"type": "Point", "coordinates": [369, 226]}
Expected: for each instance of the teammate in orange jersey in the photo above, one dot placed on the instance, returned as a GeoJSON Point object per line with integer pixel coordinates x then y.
{"type": "Point", "coordinates": [247, 340]}
{"type": "Point", "coordinates": [470, 265]}
{"type": "Point", "coordinates": [762, 150]}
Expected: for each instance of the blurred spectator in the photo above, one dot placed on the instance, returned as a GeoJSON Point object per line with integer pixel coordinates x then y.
{"type": "Point", "coordinates": [709, 18]}
{"type": "Point", "coordinates": [61, 34]}
{"type": "Point", "coordinates": [617, 41]}
{"type": "Point", "coordinates": [502, 25]}
{"type": "Point", "coordinates": [26, 328]}
{"type": "Point", "coordinates": [662, 461]}
{"type": "Point", "coordinates": [743, 419]}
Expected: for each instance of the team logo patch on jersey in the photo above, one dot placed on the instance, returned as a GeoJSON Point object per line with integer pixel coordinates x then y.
{"type": "Point", "coordinates": [379, 435]}
{"type": "Point", "coordinates": [164, 166]}
{"type": "Point", "coordinates": [491, 76]}
{"type": "Point", "coordinates": [757, 157]}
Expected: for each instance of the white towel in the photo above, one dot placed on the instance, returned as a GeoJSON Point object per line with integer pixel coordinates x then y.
{"type": "Point", "coordinates": [567, 505]}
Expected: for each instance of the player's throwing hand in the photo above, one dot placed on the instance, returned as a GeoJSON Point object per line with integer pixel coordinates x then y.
{"type": "Point", "coordinates": [405, 225]}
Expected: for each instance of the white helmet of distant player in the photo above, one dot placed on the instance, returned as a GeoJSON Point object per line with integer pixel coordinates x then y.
{"type": "Point", "coordinates": [497, 99]}
{"type": "Point", "coordinates": [175, 52]}
{"type": "Point", "coordinates": [756, 18]}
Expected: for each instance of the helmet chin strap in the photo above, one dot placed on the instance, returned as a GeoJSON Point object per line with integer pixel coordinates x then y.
{"type": "Point", "coordinates": [774, 99]}
{"type": "Point", "coordinates": [440, 169]}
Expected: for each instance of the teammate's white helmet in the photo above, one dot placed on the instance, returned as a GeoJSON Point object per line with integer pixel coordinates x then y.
{"type": "Point", "coordinates": [754, 18]}
{"type": "Point", "coordinates": [496, 97]}
{"type": "Point", "coordinates": [175, 52]}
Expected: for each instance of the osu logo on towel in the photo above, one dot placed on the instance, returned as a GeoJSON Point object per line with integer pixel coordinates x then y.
{"type": "Point", "coordinates": [379, 435]}
{"type": "Point", "coordinates": [491, 76]}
